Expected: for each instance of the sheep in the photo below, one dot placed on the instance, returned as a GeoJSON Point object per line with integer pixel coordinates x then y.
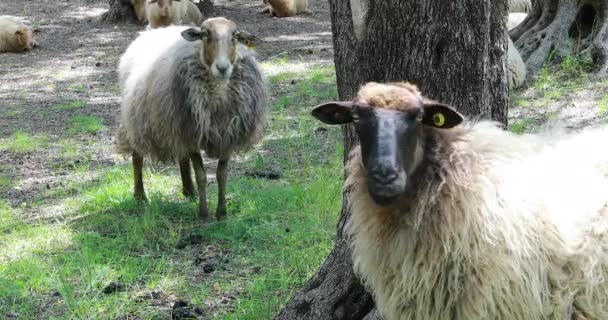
{"type": "Point", "coordinates": [285, 8]}
{"type": "Point", "coordinates": [453, 220]}
{"type": "Point", "coordinates": [162, 13]}
{"type": "Point", "coordinates": [516, 66]}
{"type": "Point", "coordinates": [15, 36]}
{"type": "Point", "coordinates": [520, 5]}
{"type": "Point", "coordinates": [190, 89]}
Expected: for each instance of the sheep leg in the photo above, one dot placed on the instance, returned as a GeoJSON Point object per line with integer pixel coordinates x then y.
{"type": "Point", "coordinates": [201, 183]}
{"type": "Point", "coordinates": [184, 170]}
{"type": "Point", "coordinates": [138, 182]}
{"type": "Point", "coordinates": [221, 175]}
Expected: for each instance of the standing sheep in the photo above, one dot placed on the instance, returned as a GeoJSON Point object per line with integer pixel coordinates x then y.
{"type": "Point", "coordinates": [162, 13]}
{"type": "Point", "coordinates": [186, 90]}
{"type": "Point", "coordinates": [467, 221]}
{"type": "Point", "coordinates": [15, 36]}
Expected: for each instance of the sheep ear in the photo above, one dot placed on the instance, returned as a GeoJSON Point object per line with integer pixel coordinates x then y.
{"type": "Point", "coordinates": [192, 34]}
{"type": "Point", "coordinates": [18, 32]}
{"type": "Point", "coordinates": [248, 39]}
{"type": "Point", "coordinates": [339, 112]}
{"type": "Point", "coordinates": [440, 115]}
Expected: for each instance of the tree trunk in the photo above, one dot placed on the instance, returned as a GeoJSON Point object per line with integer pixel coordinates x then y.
{"type": "Point", "coordinates": [454, 50]}
{"type": "Point", "coordinates": [561, 28]}
{"type": "Point", "coordinates": [121, 11]}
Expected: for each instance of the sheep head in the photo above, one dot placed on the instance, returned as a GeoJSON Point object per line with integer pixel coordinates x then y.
{"type": "Point", "coordinates": [220, 38]}
{"type": "Point", "coordinates": [25, 38]}
{"type": "Point", "coordinates": [164, 5]}
{"type": "Point", "coordinates": [389, 119]}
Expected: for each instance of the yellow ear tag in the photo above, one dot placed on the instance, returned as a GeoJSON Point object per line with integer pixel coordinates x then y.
{"type": "Point", "coordinates": [249, 44]}
{"type": "Point", "coordinates": [438, 119]}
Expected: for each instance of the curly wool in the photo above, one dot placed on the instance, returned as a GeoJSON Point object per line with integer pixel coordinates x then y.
{"type": "Point", "coordinates": [172, 106]}
{"type": "Point", "coordinates": [492, 226]}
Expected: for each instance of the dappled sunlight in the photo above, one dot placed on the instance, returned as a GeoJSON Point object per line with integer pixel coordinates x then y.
{"type": "Point", "coordinates": [299, 37]}
{"type": "Point", "coordinates": [33, 240]}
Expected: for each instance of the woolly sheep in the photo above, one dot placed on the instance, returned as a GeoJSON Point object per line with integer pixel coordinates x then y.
{"type": "Point", "coordinates": [15, 36]}
{"type": "Point", "coordinates": [162, 13]}
{"type": "Point", "coordinates": [286, 8]}
{"type": "Point", "coordinates": [520, 5]}
{"type": "Point", "coordinates": [516, 66]}
{"type": "Point", "coordinates": [190, 89]}
{"type": "Point", "coordinates": [473, 222]}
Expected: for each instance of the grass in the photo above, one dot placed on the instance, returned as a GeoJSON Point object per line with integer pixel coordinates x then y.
{"type": "Point", "coordinates": [71, 105]}
{"type": "Point", "coordinates": [277, 233]}
{"type": "Point", "coordinates": [23, 142]}
{"type": "Point", "coordinates": [521, 126]}
{"type": "Point", "coordinates": [83, 124]}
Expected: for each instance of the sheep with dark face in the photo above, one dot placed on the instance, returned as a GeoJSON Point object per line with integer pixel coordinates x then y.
{"type": "Point", "coordinates": [467, 221]}
{"type": "Point", "coordinates": [186, 90]}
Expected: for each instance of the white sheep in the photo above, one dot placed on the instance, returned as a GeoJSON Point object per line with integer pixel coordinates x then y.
{"type": "Point", "coordinates": [286, 8]}
{"type": "Point", "coordinates": [162, 13]}
{"type": "Point", "coordinates": [467, 221]}
{"type": "Point", "coordinates": [186, 90]}
{"type": "Point", "coordinates": [15, 36]}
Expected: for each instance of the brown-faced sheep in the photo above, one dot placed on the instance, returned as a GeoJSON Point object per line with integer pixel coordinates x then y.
{"type": "Point", "coordinates": [468, 221]}
{"type": "Point", "coordinates": [186, 90]}
{"type": "Point", "coordinates": [286, 8]}
{"type": "Point", "coordinates": [162, 13]}
{"type": "Point", "coordinates": [15, 36]}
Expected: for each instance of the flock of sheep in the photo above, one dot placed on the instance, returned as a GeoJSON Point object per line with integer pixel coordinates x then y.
{"type": "Point", "coordinates": [451, 219]}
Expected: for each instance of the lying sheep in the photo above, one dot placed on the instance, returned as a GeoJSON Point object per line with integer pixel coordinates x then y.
{"type": "Point", "coordinates": [15, 36]}
{"type": "Point", "coordinates": [286, 8]}
{"type": "Point", "coordinates": [162, 13]}
{"type": "Point", "coordinates": [516, 66]}
{"type": "Point", "coordinates": [467, 221]}
{"type": "Point", "coordinates": [520, 5]}
{"type": "Point", "coordinates": [186, 90]}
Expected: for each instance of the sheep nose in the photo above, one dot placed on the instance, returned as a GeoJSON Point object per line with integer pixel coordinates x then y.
{"type": "Point", "coordinates": [384, 175]}
{"type": "Point", "coordinates": [222, 68]}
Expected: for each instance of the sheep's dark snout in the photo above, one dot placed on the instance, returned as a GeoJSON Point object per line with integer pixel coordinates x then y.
{"type": "Point", "coordinates": [386, 141]}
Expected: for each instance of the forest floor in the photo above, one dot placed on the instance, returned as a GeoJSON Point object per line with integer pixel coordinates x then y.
{"type": "Point", "coordinates": [75, 245]}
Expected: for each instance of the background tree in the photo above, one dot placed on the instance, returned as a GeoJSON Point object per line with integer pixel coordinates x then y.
{"type": "Point", "coordinates": [567, 26]}
{"type": "Point", "coordinates": [454, 51]}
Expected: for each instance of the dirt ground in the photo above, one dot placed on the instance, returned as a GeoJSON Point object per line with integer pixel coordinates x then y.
{"type": "Point", "coordinates": [77, 60]}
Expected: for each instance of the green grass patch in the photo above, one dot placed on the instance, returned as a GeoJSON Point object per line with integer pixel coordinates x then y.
{"type": "Point", "coordinates": [521, 126]}
{"type": "Point", "coordinates": [277, 233]}
{"type": "Point", "coordinates": [81, 124]}
{"type": "Point", "coordinates": [23, 142]}
{"type": "Point", "coordinates": [71, 105]}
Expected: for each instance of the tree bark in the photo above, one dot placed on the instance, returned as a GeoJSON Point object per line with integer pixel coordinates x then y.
{"type": "Point", "coordinates": [454, 50]}
{"type": "Point", "coordinates": [121, 11]}
{"type": "Point", "coordinates": [560, 28]}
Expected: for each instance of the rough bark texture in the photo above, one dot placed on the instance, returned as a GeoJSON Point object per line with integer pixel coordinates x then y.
{"type": "Point", "coordinates": [563, 27]}
{"type": "Point", "coordinates": [121, 11]}
{"type": "Point", "coordinates": [455, 52]}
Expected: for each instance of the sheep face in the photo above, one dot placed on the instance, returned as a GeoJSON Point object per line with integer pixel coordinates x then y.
{"type": "Point", "coordinates": [164, 5]}
{"type": "Point", "coordinates": [25, 38]}
{"type": "Point", "coordinates": [389, 119]}
{"type": "Point", "coordinates": [220, 38]}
